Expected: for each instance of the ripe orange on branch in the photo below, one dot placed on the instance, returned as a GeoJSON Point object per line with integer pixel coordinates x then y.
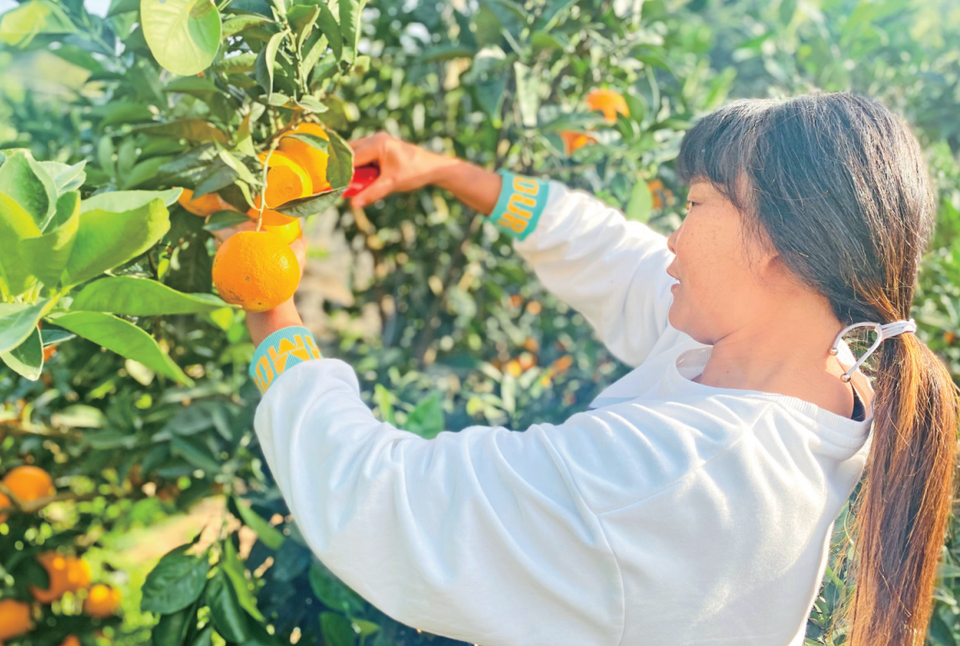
{"type": "Point", "coordinates": [313, 160]}
{"type": "Point", "coordinates": [102, 601]}
{"type": "Point", "coordinates": [14, 618]}
{"type": "Point", "coordinates": [29, 483]}
{"type": "Point", "coordinates": [66, 573]}
{"type": "Point", "coordinates": [286, 179]}
{"type": "Point", "coordinates": [609, 102]}
{"type": "Point", "coordinates": [256, 270]}
{"type": "Point", "coordinates": [575, 140]}
{"type": "Point", "coordinates": [205, 204]}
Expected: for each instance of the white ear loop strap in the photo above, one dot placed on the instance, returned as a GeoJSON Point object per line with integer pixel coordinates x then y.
{"type": "Point", "coordinates": [883, 332]}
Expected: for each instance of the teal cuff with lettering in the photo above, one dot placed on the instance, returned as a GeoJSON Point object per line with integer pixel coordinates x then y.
{"type": "Point", "coordinates": [279, 352]}
{"type": "Point", "coordinates": [521, 202]}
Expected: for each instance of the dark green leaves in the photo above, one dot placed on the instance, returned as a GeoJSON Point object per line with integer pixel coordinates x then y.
{"type": "Point", "coordinates": [337, 630]}
{"type": "Point", "coordinates": [141, 297]}
{"type": "Point", "coordinates": [228, 617]}
{"type": "Point", "coordinates": [175, 583]}
{"type": "Point", "coordinates": [332, 592]}
{"type": "Point", "coordinates": [183, 35]}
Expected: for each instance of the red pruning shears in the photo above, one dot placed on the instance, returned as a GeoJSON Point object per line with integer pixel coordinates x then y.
{"type": "Point", "coordinates": [363, 176]}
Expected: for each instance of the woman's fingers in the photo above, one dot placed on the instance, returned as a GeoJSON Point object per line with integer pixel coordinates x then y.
{"type": "Point", "coordinates": [365, 155]}
{"type": "Point", "coordinates": [379, 189]}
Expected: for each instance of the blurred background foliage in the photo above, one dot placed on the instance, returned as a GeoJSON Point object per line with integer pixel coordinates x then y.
{"type": "Point", "coordinates": [444, 324]}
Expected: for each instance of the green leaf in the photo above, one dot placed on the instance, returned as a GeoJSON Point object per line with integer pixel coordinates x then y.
{"type": "Point", "coordinates": [183, 35]}
{"type": "Point", "coordinates": [311, 140]}
{"type": "Point", "coordinates": [238, 24]}
{"type": "Point", "coordinates": [234, 569]}
{"type": "Point", "coordinates": [384, 400]}
{"type": "Point", "coordinates": [18, 321]}
{"type": "Point", "coordinates": [426, 420]}
{"type": "Point", "coordinates": [123, 201]}
{"type": "Point", "coordinates": [191, 85]}
{"type": "Point", "coordinates": [146, 171]}
{"type": "Point", "coordinates": [267, 533]}
{"type": "Point", "coordinates": [18, 27]}
{"type": "Point", "coordinates": [134, 296]}
{"type": "Point", "coordinates": [334, 594]}
{"type": "Point", "coordinates": [331, 29]}
{"type": "Point", "coordinates": [339, 162]}
{"type": "Point", "coordinates": [47, 255]}
{"type": "Point", "coordinates": [173, 628]}
{"type": "Point", "coordinates": [122, 337]}
{"type": "Point", "coordinates": [640, 205]}
{"type": "Point", "coordinates": [225, 220]}
{"type": "Point", "coordinates": [204, 638]}
{"type": "Point", "coordinates": [176, 582]}
{"type": "Point", "coordinates": [122, 6]}
{"type": "Point", "coordinates": [66, 178]}
{"type": "Point", "coordinates": [239, 64]}
{"type": "Point", "coordinates": [27, 358]}
{"type": "Point", "coordinates": [266, 61]}
{"type": "Point", "coordinates": [27, 182]}
{"type": "Point", "coordinates": [528, 97]}
{"type": "Point", "coordinates": [337, 630]}
{"type": "Point", "coordinates": [193, 129]}
{"type": "Point", "coordinates": [106, 239]}
{"type": "Point", "coordinates": [350, 11]}
{"type": "Point", "coordinates": [307, 206]}
{"type": "Point", "coordinates": [228, 617]}
{"type": "Point", "coordinates": [194, 453]}
{"type": "Point", "coordinates": [16, 225]}
{"type": "Point", "coordinates": [366, 628]}
{"type": "Point", "coordinates": [192, 271]}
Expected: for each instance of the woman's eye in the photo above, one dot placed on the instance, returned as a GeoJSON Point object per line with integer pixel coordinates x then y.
{"type": "Point", "coordinates": [690, 204]}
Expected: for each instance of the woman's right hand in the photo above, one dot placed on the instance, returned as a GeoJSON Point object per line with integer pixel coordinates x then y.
{"type": "Point", "coordinates": [403, 166]}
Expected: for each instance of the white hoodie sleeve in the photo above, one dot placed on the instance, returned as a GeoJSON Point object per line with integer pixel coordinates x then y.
{"type": "Point", "coordinates": [479, 535]}
{"type": "Point", "coordinates": [611, 270]}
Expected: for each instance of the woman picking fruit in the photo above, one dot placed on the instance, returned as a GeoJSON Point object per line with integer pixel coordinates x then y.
{"type": "Point", "coordinates": [693, 502]}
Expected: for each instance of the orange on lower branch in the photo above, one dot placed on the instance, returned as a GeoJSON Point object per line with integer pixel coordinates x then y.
{"type": "Point", "coordinates": [66, 573]}
{"type": "Point", "coordinates": [286, 179]}
{"type": "Point", "coordinates": [4, 503]}
{"type": "Point", "coordinates": [14, 618]}
{"type": "Point", "coordinates": [313, 160]}
{"type": "Point", "coordinates": [609, 102]}
{"type": "Point", "coordinates": [29, 483]}
{"type": "Point", "coordinates": [575, 140]}
{"type": "Point", "coordinates": [102, 601]}
{"type": "Point", "coordinates": [205, 204]}
{"type": "Point", "coordinates": [256, 270]}
{"type": "Point", "coordinates": [70, 640]}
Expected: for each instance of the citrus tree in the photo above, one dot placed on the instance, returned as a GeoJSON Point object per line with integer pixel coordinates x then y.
{"type": "Point", "coordinates": [183, 118]}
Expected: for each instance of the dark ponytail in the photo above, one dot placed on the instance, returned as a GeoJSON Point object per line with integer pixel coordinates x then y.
{"type": "Point", "coordinates": [837, 184]}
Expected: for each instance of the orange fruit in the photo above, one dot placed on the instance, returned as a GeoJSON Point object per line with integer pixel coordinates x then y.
{"type": "Point", "coordinates": [289, 232]}
{"type": "Point", "coordinates": [205, 204]}
{"type": "Point", "coordinates": [270, 217]}
{"type": "Point", "coordinates": [56, 566]}
{"type": "Point", "coordinates": [575, 140]}
{"type": "Point", "coordinates": [286, 180]}
{"type": "Point", "coordinates": [609, 102]}
{"type": "Point", "coordinates": [78, 574]}
{"type": "Point", "coordinates": [256, 270]}
{"type": "Point", "coordinates": [4, 502]}
{"type": "Point", "coordinates": [14, 618]}
{"type": "Point", "coordinates": [29, 483]}
{"type": "Point", "coordinates": [312, 160]}
{"type": "Point", "coordinates": [71, 640]}
{"type": "Point", "coordinates": [102, 601]}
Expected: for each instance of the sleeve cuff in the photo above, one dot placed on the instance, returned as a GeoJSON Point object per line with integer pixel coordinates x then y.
{"type": "Point", "coordinates": [520, 204]}
{"type": "Point", "coordinates": [279, 352]}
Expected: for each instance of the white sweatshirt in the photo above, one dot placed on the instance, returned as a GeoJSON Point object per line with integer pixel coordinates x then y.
{"type": "Point", "coordinates": [673, 513]}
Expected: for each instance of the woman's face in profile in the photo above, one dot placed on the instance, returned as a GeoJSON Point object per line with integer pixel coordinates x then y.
{"type": "Point", "coordinates": [720, 290]}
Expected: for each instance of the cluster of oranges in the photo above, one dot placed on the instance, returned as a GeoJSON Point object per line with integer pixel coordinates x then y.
{"type": "Point", "coordinates": [605, 100]}
{"type": "Point", "coordinates": [257, 270]}
{"type": "Point", "coordinates": [66, 573]}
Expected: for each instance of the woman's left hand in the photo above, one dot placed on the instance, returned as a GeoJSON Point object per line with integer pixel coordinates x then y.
{"type": "Point", "coordinates": [263, 324]}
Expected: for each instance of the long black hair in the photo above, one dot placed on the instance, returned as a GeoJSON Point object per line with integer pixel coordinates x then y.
{"type": "Point", "coordinates": [836, 183]}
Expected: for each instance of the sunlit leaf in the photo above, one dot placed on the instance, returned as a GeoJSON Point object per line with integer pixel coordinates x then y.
{"type": "Point", "coordinates": [134, 296]}
{"type": "Point", "coordinates": [183, 35]}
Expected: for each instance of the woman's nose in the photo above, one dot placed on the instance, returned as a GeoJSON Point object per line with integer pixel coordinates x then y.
{"type": "Point", "coordinates": [672, 241]}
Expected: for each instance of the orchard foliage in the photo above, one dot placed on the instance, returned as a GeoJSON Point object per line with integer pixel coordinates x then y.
{"type": "Point", "coordinates": [133, 391]}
